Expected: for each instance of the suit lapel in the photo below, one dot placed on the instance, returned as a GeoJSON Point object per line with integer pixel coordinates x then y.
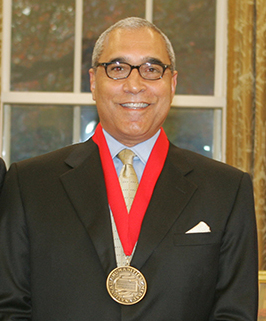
{"type": "Point", "coordinates": [85, 187]}
{"type": "Point", "coordinates": [171, 195]}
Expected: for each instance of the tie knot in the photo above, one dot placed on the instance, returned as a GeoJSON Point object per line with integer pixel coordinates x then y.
{"type": "Point", "coordinates": [126, 156]}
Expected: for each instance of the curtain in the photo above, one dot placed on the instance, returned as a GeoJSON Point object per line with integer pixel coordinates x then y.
{"type": "Point", "coordinates": [246, 101]}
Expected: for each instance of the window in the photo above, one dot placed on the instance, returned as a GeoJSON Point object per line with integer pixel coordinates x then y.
{"type": "Point", "coordinates": [47, 48]}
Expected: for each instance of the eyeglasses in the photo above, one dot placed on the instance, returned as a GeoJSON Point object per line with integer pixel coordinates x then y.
{"type": "Point", "coordinates": [121, 70]}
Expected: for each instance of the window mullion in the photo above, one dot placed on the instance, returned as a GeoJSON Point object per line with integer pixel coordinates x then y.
{"type": "Point", "coordinates": [221, 69]}
{"type": "Point", "coordinates": [77, 67]}
{"type": "Point", "coordinates": [217, 129]}
{"type": "Point", "coordinates": [220, 48]}
{"type": "Point", "coordinates": [6, 134]}
{"type": "Point", "coordinates": [78, 46]}
{"type": "Point", "coordinates": [149, 10]}
{"type": "Point", "coordinates": [6, 44]}
{"type": "Point", "coordinates": [5, 79]}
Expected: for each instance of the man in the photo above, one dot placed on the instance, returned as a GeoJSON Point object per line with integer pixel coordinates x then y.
{"type": "Point", "coordinates": [73, 247]}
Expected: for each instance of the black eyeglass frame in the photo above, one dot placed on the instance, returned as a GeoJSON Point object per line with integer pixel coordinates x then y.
{"type": "Point", "coordinates": [106, 64]}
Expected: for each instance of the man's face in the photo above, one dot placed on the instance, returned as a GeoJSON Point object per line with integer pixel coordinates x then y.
{"type": "Point", "coordinates": [133, 109]}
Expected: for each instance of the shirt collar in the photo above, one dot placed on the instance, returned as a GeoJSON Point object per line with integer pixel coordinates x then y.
{"type": "Point", "coordinates": [142, 150]}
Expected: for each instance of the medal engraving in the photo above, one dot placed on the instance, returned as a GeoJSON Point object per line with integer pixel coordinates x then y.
{"type": "Point", "coordinates": [126, 285]}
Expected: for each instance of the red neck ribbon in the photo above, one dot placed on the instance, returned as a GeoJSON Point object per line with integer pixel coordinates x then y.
{"type": "Point", "coordinates": [129, 224]}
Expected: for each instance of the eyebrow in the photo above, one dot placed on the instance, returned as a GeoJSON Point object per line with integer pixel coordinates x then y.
{"type": "Point", "coordinates": [152, 60]}
{"type": "Point", "coordinates": [118, 59]}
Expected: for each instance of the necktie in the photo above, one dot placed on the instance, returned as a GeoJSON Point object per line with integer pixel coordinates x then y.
{"type": "Point", "coordinates": [127, 177]}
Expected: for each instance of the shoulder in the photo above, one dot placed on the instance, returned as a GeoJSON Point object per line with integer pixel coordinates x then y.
{"type": "Point", "coordinates": [189, 159]}
{"type": "Point", "coordinates": [56, 161]}
{"type": "Point", "coordinates": [205, 170]}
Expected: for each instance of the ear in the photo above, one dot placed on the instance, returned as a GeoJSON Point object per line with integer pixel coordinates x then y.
{"type": "Point", "coordinates": [92, 82]}
{"type": "Point", "coordinates": [174, 82]}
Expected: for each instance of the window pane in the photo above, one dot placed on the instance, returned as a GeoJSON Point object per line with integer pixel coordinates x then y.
{"type": "Point", "coordinates": [42, 45]}
{"type": "Point", "coordinates": [89, 120]}
{"type": "Point", "coordinates": [98, 16]}
{"type": "Point", "coordinates": [190, 25]}
{"type": "Point", "coordinates": [37, 130]}
{"type": "Point", "coordinates": [192, 129]}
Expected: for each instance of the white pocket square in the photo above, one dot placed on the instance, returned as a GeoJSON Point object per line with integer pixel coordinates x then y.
{"type": "Point", "coordinates": [202, 227]}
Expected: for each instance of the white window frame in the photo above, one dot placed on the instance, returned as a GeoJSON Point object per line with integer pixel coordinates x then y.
{"type": "Point", "coordinates": [76, 98]}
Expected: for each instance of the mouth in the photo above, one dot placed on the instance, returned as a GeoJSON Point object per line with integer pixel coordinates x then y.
{"type": "Point", "coordinates": [135, 105]}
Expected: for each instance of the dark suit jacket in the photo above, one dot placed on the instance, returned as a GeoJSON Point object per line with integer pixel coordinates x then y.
{"type": "Point", "coordinates": [57, 248]}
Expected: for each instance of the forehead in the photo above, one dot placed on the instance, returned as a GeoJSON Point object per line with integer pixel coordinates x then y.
{"type": "Point", "coordinates": [134, 46]}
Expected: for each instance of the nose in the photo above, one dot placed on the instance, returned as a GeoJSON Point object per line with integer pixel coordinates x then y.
{"type": "Point", "coordinates": [134, 83]}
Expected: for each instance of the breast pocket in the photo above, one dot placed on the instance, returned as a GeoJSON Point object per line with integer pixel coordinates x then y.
{"type": "Point", "coordinates": [197, 239]}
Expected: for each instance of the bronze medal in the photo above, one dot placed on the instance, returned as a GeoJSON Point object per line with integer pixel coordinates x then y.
{"type": "Point", "coordinates": [126, 285]}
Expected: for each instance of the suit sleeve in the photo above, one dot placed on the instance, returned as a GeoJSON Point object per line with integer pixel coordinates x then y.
{"type": "Point", "coordinates": [15, 298]}
{"type": "Point", "coordinates": [237, 284]}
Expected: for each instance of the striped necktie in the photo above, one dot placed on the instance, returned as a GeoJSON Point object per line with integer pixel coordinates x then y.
{"type": "Point", "coordinates": [127, 177]}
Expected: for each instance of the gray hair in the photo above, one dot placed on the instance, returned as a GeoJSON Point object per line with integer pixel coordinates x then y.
{"type": "Point", "coordinates": [131, 23]}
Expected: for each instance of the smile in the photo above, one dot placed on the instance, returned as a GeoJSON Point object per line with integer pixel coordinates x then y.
{"type": "Point", "coordinates": [135, 105]}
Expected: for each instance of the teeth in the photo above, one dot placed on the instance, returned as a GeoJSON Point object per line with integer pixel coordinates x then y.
{"type": "Point", "coordinates": [135, 105]}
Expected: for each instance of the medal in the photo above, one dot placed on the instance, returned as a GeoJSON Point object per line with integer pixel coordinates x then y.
{"type": "Point", "coordinates": [126, 285]}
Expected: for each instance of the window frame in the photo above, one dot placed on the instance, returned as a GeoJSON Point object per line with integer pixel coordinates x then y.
{"type": "Point", "coordinates": [77, 98]}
